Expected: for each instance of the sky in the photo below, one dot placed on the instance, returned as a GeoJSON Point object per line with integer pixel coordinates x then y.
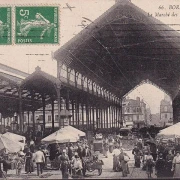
{"type": "Point", "coordinates": [69, 21]}
{"type": "Point", "coordinates": [150, 94]}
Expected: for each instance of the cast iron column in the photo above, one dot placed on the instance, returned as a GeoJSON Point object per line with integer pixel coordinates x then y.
{"type": "Point", "coordinates": [52, 113]}
{"type": "Point", "coordinates": [44, 116]}
{"type": "Point", "coordinates": [20, 111]}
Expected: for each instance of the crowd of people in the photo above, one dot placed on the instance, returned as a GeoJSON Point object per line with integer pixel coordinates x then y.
{"type": "Point", "coordinates": [158, 156]}
{"type": "Point", "coordinates": [70, 158]}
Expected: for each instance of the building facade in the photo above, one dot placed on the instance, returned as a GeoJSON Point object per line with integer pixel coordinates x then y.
{"type": "Point", "coordinates": [166, 111]}
{"type": "Point", "coordinates": [134, 112]}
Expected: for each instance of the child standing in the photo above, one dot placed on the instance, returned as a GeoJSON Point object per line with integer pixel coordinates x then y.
{"type": "Point", "coordinates": [19, 163]}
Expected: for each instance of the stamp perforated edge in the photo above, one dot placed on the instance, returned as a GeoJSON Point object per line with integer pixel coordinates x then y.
{"type": "Point", "coordinates": [9, 6]}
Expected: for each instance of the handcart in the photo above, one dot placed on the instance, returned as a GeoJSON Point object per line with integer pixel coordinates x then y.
{"type": "Point", "coordinates": [91, 164]}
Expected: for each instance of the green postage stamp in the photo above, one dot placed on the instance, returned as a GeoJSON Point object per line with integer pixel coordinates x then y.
{"type": "Point", "coordinates": [36, 25]}
{"type": "Point", "coordinates": [5, 25]}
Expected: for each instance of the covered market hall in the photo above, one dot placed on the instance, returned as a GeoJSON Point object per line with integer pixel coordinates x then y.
{"type": "Point", "coordinates": [95, 69]}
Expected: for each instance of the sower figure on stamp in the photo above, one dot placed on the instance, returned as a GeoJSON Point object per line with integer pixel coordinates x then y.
{"type": "Point", "coordinates": [39, 22]}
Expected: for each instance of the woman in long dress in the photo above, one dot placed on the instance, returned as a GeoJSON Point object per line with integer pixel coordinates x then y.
{"type": "Point", "coordinates": [160, 166]}
{"type": "Point", "coordinates": [116, 153]}
{"type": "Point", "coordinates": [111, 144]}
{"type": "Point", "coordinates": [169, 159]}
{"type": "Point", "coordinates": [176, 165]}
{"type": "Point", "coordinates": [124, 163]}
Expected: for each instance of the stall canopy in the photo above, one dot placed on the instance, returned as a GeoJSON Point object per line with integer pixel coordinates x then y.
{"type": "Point", "coordinates": [60, 136]}
{"type": "Point", "coordinates": [75, 131]}
{"type": "Point", "coordinates": [170, 132]}
{"type": "Point", "coordinates": [15, 137]}
{"type": "Point", "coordinates": [9, 145]}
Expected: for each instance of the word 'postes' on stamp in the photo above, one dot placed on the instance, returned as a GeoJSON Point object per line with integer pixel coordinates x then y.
{"type": "Point", "coordinates": [5, 25]}
{"type": "Point", "coordinates": [37, 25]}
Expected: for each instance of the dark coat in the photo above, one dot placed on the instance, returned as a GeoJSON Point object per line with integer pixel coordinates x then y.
{"type": "Point", "coordinates": [70, 152]}
{"type": "Point", "coordinates": [80, 152]}
{"type": "Point", "coordinates": [160, 167]}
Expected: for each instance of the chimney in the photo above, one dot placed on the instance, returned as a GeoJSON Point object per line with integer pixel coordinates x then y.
{"type": "Point", "coordinates": [138, 99]}
{"type": "Point", "coordinates": [122, 1]}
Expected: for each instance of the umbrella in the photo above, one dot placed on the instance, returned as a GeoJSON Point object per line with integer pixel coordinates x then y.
{"type": "Point", "coordinates": [60, 136]}
{"type": "Point", "coordinates": [9, 145]}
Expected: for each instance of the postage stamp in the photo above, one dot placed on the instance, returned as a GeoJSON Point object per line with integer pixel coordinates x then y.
{"type": "Point", "coordinates": [5, 25]}
{"type": "Point", "coordinates": [36, 25]}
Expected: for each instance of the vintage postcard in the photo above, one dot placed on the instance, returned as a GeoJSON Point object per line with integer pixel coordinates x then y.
{"type": "Point", "coordinates": [89, 89]}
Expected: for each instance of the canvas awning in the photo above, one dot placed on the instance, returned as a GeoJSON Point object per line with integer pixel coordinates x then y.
{"type": "Point", "coordinates": [60, 136]}
{"type": "Point", "coordinates": [75, 131]}
{"type": "Point", "coordinates": [9, 145]}
{"type": "Point", "coordinates": [170, 132]}
{"type": "Point", "coordinates": [15, 137]}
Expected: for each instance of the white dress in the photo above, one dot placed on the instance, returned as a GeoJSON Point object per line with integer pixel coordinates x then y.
{"type": "Point", "coordinates": [176, 162]}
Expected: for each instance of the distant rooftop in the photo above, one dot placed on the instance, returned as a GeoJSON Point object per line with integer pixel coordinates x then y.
{"type": "Point", "coordinates": [12, 71]}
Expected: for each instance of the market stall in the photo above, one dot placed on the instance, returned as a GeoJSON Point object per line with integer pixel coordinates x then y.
{"type": "Point", "coordinates": [15, 137]}
{"type": "Point", "coordinates": [8, 145]}
{"type": "Point", "coordinates": [170, 132]}
{"type": "Point", "coordinates": [74, 130]}
{"type": "Point", "coordinates": [60, 136]}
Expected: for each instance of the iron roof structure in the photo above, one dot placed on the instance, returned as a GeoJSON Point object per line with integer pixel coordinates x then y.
{"type": "Point", "coordinates": [124, 47]}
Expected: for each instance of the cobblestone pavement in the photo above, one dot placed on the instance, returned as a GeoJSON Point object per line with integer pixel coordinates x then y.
{"type": "Point", "coordinates": [107, 173]}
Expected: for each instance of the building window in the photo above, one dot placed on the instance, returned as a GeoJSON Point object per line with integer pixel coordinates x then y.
{"type": "Point", "coordinates": [127, 110]}
{"type": "Point", "coordinates": [165, 116]}
{"type": "Point", "coordinates": [24, 118]}
{"type": "Point", "coordinates": [41, 117]}
{"type": "Point", "coordinates": [49, 118]}
{"type": "Point", "coordinates": [165, 109]}
{"type": "Point", "coordinates": [56, 117]}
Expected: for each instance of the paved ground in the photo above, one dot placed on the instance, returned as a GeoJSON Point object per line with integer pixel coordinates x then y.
{"type": "Point", "coordinates": [106, 174]}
